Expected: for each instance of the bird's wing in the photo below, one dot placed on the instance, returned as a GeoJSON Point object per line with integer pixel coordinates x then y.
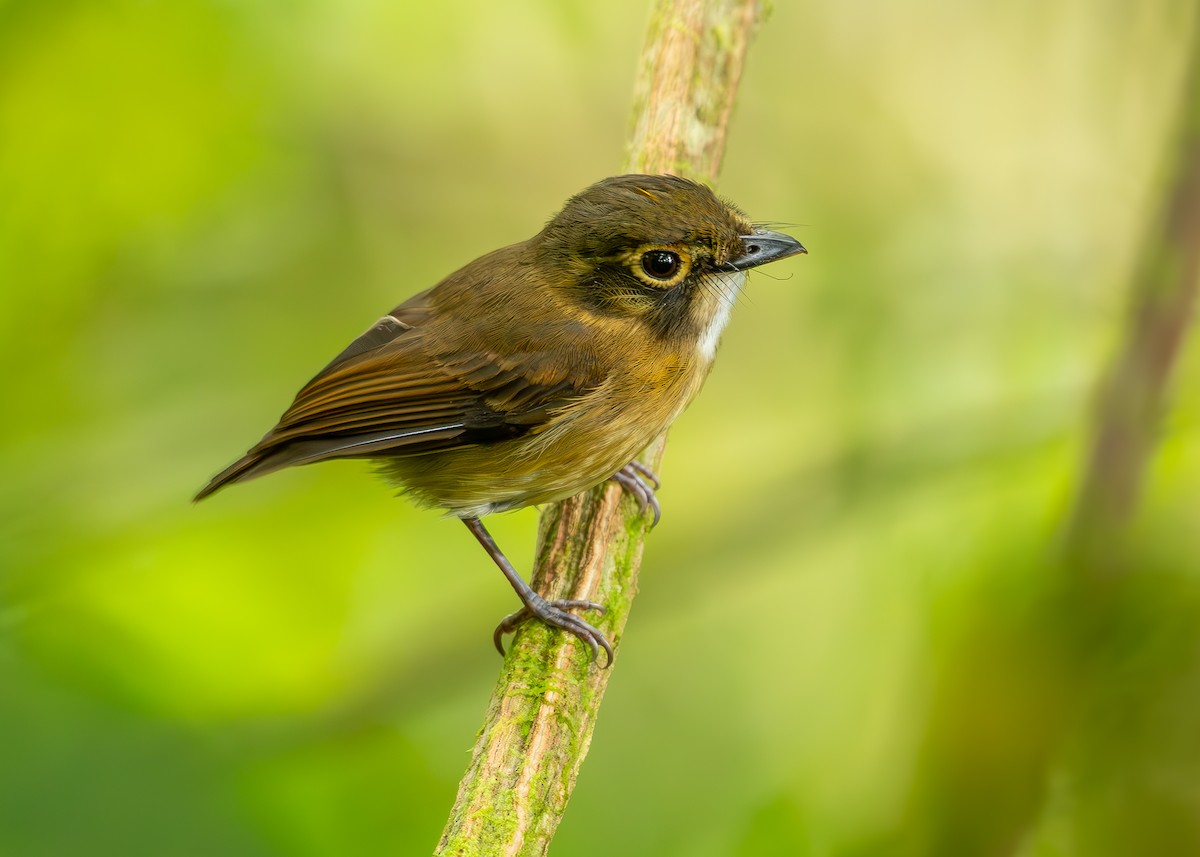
{"type": "Point", "coordinates": [388, 394]}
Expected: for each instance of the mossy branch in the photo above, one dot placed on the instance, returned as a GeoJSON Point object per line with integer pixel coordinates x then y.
{"type": "Point", "coordinates": [540, 719]}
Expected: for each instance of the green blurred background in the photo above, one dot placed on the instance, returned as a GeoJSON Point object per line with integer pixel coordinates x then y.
{"type": "Point", "coordinates": [852, 638]}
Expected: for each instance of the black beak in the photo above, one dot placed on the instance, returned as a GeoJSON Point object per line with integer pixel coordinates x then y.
{"type": "Point", "coordinates": [765, 246]}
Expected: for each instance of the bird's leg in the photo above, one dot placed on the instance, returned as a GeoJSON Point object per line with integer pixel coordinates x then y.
{"type": "Point", "coordinates": [640, 481]}
{"type": "Point", "coordinates": [553, 613]}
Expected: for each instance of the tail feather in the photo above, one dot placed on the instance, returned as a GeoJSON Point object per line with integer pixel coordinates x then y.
{"type": "Point", "coordinates": [268, 458]}
{"type": "Point", "coordinates": [246, 467]}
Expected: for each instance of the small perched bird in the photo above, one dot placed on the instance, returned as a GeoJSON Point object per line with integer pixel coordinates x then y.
{"type": "Point", "coordinates": [538, 370]}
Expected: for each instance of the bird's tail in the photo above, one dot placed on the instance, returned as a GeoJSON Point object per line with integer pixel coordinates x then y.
{"type": "Point", "coordinates": [248, 466]}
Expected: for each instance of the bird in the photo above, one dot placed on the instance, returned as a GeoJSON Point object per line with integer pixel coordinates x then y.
{"type": "Point", "coordinates": [539, 370]}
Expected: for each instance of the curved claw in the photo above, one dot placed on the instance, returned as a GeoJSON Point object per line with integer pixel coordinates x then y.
{"type": "Point", "coordinates": [641, 482]}
{"type": "Point", "coordinates": [554, 613]}
{"type": "Point", "coordinates": [646, 473]}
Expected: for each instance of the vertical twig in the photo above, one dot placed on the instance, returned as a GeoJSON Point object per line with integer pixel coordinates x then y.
{"type": "Point", "coordinates": [539, 722]}
{"type": "Point", "coordinates": [1025, 690]}
{"type": "Point", "coordinates": [1133, 396]}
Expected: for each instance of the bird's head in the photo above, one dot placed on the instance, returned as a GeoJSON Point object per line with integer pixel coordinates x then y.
{"type": "Point", "coordinates": [661, 249]}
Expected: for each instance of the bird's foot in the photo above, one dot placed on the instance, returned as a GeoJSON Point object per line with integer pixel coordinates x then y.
{"type": "Point", "coordinates": [554, 614]}
{"type": "Point", "coordinates": [641, 482]}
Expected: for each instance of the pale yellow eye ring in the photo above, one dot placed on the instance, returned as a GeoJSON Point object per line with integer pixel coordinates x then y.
{"type": "Point", "coordinates": [659, 266]}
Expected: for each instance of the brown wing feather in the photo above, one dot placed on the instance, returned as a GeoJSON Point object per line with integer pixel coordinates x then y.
{"type": "Point", "coordinates": [386, 394]}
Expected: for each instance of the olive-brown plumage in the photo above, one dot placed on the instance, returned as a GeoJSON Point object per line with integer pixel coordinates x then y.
{"type": "Point", "coordinates": [540, 369]}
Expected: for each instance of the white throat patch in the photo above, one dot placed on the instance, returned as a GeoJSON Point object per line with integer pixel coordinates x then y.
{"type": "Point", "coordinates": [729, 285]}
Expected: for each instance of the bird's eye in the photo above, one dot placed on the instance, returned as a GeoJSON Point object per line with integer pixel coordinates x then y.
{"type": "Point", "coordinates": [660, 264]}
